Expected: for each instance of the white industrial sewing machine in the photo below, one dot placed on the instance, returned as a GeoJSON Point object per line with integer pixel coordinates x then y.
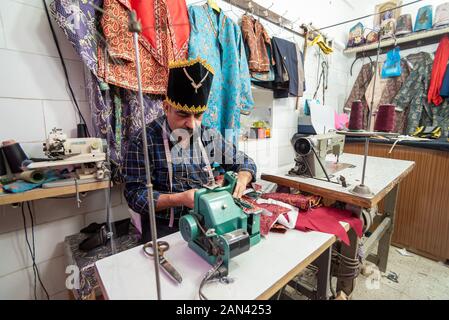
{"type": "Point", "coordinates": [311, 153]}
{"type": "Point", "coordinates": [63, 151]}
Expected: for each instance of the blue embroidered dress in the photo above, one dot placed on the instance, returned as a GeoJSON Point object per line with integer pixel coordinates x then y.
{"type": "Point", "coordinates": [218, 39]}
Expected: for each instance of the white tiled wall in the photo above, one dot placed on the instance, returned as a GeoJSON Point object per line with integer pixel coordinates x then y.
{"type": "Point", "coordinates": [33, 99]}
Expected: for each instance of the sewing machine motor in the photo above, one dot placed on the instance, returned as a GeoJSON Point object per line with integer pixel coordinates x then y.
{"type": "Point", "coordinates": [311, 152]}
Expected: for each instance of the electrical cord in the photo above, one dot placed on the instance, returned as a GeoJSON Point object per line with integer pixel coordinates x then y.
{"type": "Point", "coordinates": [32, 250]}
{"type": "Point", "coordinates": [212, 274]}
{"type": "Point", "coordinates": [64, 67]}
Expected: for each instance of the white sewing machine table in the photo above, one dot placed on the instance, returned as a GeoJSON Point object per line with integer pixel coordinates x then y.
{"type": "Point", "coordinates": [258, 273]}
{"type": "Point", "coordinates": [383, 177]}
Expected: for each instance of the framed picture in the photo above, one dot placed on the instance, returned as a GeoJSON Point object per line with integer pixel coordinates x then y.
{"type": "Point", "coordinates": [388, 12]}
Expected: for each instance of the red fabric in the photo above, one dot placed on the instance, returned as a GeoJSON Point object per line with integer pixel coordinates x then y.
{"type": "Point", "coordinates": [297, 200]}
{"type": "Point", "coordinates": [327, 220]}
{"type": "Point", "coordinates": [162, 19]}
{"type": "Point", "coordinates": [438, 71]}
{"type": "Point", "coordinates": [266, 221]}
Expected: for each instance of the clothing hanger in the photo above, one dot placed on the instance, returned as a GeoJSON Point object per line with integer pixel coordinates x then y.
{"type": "Point", "coordinates": [213, 5]}
{"type": "Point", "coordinates": [363, 56]}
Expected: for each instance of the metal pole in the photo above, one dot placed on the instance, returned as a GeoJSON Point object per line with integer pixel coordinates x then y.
{"type": "Point", "coordinates": [370, 111]}
{"type": "Point", "coordinates": [135, 28]}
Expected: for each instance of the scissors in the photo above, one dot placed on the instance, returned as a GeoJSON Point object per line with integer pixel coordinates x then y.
{"type": "Point", "coordinates": [162, 246]}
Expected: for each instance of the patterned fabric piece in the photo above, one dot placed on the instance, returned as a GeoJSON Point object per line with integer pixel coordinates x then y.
{"type": "Point", "coordinates": [270, 214]}
{"type": "Point", "coordinates": [385, 91]}
{"type": "Point", "coordinates": [412, 97]}
{"type": "Point", "coordinates": [359, 89]}
{"type": "Point", "coordinates": [116, 62]}
{"type": "Point", "coordinates": [188, 167]}
{"type": "Point", "coordinates": [159, 16]}
{"type": "Point", "coordinates": [297, 200]}
{"type": "Point", "coordinates": [215, 38]}
{"type": "Point", "coordinates": [77, 19]}
{"type": "Point", "coordinates": [257, 38]}
{"type": "Point", "coordinates": [325, 219]}
{"type": "Point", "coordinates": [107, 125]}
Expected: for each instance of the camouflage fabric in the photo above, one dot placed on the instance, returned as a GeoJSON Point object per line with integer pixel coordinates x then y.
{"type": "Point", "coordinates": [412, 97]}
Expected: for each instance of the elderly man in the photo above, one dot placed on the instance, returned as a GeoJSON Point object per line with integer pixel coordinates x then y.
{"type": "Point", "coordinates": [182, 152]}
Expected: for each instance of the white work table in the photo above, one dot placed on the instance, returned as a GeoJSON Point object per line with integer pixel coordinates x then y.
{"type": "Point", "coordinates": [258, 273]}
{"type": "Point", "coordinates": [383, 177]}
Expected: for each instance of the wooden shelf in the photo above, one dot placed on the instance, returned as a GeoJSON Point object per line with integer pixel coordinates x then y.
{"type": "Point", "coordinates": [412, 40]}
{"type": "Point", "coordinates": [51, 192]}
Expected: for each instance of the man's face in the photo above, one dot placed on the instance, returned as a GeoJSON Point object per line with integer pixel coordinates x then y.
{"type": "Point", "coordinates": [182, 120]}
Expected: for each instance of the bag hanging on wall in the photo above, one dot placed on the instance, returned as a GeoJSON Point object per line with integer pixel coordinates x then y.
{"type": "Point", "coordinates": [392, 66]}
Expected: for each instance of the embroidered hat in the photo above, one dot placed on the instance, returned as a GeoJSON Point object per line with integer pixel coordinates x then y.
{"type": "Point", "coordinates": [189, 83]}
{"type": "Point", "coordinates": [404, 24]}
{"type": "Point", "coordinates": [441, 15]}
{"type": "Point", "coordinates": [388, 28]}
{"type": "Point", "coordinates": [424, 18]}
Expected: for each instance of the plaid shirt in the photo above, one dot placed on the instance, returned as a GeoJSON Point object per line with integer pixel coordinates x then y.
{"type": "Point", "coordinates": [188, 165]}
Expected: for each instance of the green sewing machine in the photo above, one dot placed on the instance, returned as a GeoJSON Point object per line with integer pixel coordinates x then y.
{"type": "Point", "coordinates": [220, 227]}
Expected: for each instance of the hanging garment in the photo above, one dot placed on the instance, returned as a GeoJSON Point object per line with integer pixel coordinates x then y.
{"type": "Point", "coordinates": [218, 40]}
{"type": "Point", "coordinates": [78, 22]}
{"type": "Point", "coordinates": [359, 89]}
{"type": "Point", "coordinates": [412, 97]}
{"type": "Point", "coordinates": [286, 60]}
{"type": "Point", "coordinates": [301, 74]}
{"type": "Point", "coordinates": [438, 70]}
{"type": "Point", "coordinates": [115, 111]}
{"type": "Point", "coordinates": [257, 39]}
{"type": "Point", "coordinates": [116, 115]}
{"type": "Point", "coordinates": [385, 91]}
{"type": "Point", "coordinates": [162, 19]}
{"type": "Point", "coordinates": [116, 60]}
{"type": "Point", "coordinates": [326, 219]}
{"type": "Point", "coordinates": [444, 91]}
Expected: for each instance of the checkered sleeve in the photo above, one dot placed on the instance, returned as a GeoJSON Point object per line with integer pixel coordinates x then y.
{"type": "Point", "coordinates": [135, 176]}
{"type": "Point", "coordinates": [234, 159]}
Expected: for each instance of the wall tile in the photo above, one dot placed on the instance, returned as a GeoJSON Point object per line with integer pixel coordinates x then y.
{"type": "Point", "coordinates": [50, 209]}
{"type": "Point", "coordinates": [49, 243]}
{"type": "Point", "coordinates": [30, 76]}
{"type": "Point", "coordinates": [63, 115]}
{"type": "Point", "coordinates": [21, 120]}
{"type": "Point", "coordinates": [34, 36]}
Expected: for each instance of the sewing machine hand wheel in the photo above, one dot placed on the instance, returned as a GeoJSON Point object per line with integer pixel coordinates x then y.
{"type": "Point", "coordinates": [162, 246]}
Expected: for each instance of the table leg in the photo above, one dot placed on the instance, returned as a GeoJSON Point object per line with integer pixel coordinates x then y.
{"type": "Point", "coordinates": [323, 262]}
{"type": "Point", "coordinates": [385, 241]}
{"type": "Point", "coordinates": [351, 251]}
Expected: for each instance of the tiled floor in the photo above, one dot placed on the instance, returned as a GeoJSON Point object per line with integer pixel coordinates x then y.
{"type": "Point", "coordinates": [418, 279]}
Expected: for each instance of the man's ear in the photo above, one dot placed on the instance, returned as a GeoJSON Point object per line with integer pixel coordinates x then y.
{"type": "Point", "coordinates": [166, 107]}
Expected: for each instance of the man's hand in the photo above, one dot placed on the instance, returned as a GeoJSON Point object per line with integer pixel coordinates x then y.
{"type": "Point", "coordinates": [243, 179]}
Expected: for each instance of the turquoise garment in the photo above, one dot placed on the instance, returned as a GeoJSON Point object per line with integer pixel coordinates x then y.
{"type": "Point", "coordinates": [217, 39]}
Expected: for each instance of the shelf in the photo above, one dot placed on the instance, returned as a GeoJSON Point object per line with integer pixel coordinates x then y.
{"type": "Point", "coordinates": [412, 40]}
{"type": "Point", "coordinates": [40, 193]}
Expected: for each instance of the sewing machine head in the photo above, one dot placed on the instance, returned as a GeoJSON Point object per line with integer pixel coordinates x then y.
{"type": "Point", "coordinates": [311, 150]}
{"type": "Point", "coordinates": [60, 147]}
{"type": "Point", "coordinates": [63, 151]}
{"type": "Point", "coordinates": [218, 228]}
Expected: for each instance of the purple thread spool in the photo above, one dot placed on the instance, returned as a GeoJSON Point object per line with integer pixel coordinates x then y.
{"type": "Point", "coordinates": [356, 117]}
{"type": "Point", "coordinates": [385, 119]}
